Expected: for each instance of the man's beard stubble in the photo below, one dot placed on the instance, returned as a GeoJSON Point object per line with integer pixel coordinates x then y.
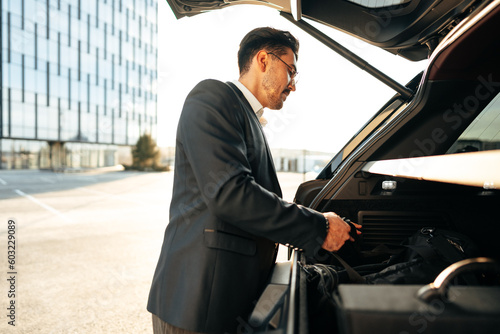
{"type": "Point", "coordinates": [273, 91]}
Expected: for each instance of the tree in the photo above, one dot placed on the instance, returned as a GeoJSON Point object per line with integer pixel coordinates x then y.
{"type": "Point", "coordinates": [146, 155]}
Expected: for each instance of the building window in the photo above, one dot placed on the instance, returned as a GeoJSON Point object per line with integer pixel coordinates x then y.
{"type": "Point", "coordinates": [113, 17]}
{"type": "Point", "coordinates": [126, 77]}
{"type": "Point", "coordinates": [151, 37]}
{"type": "Point", "coordinates": [97, 66]}
{"type": "Point", "coordinates": [79, 60]}
{"type": "Point", "coordinates": [79, 136]}
{"type": "Point", "coordinates": [69, 88]}
{"type": "Point", "coordinates": [58, 53]}
{"type": "Point", "coordinates": [47, 17]}
{"type": "Point", "coordinates": [112, 71]}
{"type": "Point", "coordinates": [140, 81]}
{"type": "Point", "coordinates": [105, 40]}
{"type": "Point", "coordinates": [97, 123]}
{"type": "Point", "coordinates": [120, 100]}
{"type": "Point", "coordinates": [127, 23]}
{"type": "Point", "coordinates": [140, 31]}
{"type": "Point", "coordinates": [133, 53]}
{"type": "Point", "coordinates": [36, 46]}
{"type": "Point", "coordinates": [22, 14]}
{"type": "Point", "coordinates": [22, 78]}
{"type": "Point", "coordinates": [36, 115]}
{"type": "Point", "coordinates": [88, 93]}
{"type": "Point", "coordinates": [120, 47]}
{"type": "Point", "coordinates": [69, 25]}
{"type": "Point", "coordinates": [105, 96]}
{"type": "Point", "coordinates": [9, 112]}
{"type": "Point", "coordinates": [88, 33]}
{"type": "Point", "coordinates": [8, 37]}
{"type": "Point", "coordinates": [59, 118]}
{"type": "Point", "coordinates": [48, 83]}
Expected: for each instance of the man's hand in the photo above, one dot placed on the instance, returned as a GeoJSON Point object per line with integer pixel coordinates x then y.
{"type": "Point", "coordinates": [338, 232]}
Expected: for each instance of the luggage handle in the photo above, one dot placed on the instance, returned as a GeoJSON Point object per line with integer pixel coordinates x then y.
{"type": "Point", "coordinates": [439, 288]}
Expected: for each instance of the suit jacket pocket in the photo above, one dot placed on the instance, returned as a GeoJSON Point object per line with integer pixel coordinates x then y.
{"type": "Point", "coordinates": [229, 242]}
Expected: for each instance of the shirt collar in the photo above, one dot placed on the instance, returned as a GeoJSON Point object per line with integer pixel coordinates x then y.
{"type": "Point", "coordinates": [254, 103]}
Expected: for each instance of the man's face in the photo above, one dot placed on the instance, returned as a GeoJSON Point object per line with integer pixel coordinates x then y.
{"type": "Point", "coordinates": [277, 81]}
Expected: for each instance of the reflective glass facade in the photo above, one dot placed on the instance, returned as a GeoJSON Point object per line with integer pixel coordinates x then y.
{"type": "Point", "coordinates": [76, 74]}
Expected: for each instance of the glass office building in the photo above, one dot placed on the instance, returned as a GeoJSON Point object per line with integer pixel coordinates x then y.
{"type": "Point", "coordinates": [78, 81]}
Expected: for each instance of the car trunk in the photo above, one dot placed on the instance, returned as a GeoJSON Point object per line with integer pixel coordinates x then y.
{"type": "Point", "coordinates": [373, 180]}
{"type": "Point", "coordinates": [432, 161]}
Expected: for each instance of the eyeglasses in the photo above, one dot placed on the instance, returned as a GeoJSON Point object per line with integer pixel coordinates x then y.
{"type": "Point", "coordinates": [291, 71]}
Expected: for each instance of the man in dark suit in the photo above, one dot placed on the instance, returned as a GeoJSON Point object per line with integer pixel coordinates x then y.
{"type": "Point", "coordinates": [226, 214]}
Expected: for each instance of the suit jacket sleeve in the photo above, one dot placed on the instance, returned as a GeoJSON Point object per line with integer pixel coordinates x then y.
{"type": "Point", "coordinates": [212, 136]}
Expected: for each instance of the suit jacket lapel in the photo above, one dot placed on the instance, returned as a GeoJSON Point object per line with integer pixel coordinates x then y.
{"type": "Point", "coordinates": [253, 117]}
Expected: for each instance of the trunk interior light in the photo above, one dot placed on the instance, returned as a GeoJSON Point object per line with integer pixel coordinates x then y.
{"type": "Point", "coordinates": [389, 185]}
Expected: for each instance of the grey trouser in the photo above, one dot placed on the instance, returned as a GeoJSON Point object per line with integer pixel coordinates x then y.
{"type": "Point", "coordinates": [161, 327]}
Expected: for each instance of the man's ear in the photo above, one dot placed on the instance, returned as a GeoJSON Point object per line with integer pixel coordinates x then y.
{"type": "Point", "coordinates": [262, 59]}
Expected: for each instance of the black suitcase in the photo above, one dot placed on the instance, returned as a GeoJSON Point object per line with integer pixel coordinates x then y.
{"type": "Point", "coordinates": [435, 308]}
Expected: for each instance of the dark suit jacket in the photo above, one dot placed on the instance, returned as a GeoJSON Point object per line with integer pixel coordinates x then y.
{"type": "Point", "coordinates": [226, 215]}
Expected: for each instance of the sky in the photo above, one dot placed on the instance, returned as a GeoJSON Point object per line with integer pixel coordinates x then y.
{"type": "Point", "coordinates": [333, 98]}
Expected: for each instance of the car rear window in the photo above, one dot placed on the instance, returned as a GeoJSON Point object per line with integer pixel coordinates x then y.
{"type": "Point", "coordinates": [483, 134]}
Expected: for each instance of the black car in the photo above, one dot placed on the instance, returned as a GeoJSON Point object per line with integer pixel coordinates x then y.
{"type": "Point", "coordinates": [428, 159]}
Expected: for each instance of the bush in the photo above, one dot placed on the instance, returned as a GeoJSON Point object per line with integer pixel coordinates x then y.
{"type": "Point", "coordinates": [146, 156]}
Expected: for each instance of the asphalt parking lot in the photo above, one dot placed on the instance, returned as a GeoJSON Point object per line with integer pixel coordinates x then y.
{"type": "Point", "coordinates": [86, 245]}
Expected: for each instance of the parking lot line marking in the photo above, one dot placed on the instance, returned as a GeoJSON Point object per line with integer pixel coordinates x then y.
{"type": "Point", "coordinates": [2, 182]}
{"type": "Point", "coordinates": [43, 205]}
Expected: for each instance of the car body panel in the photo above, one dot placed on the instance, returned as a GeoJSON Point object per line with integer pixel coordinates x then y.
{"type": "Point", "coordinates": [429, 160]}
{"type": "Point", "coordinates": [456, 102]}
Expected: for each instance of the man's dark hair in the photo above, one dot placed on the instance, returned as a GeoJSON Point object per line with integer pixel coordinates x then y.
{"type": "Point", "coordinates": [268, 39]}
